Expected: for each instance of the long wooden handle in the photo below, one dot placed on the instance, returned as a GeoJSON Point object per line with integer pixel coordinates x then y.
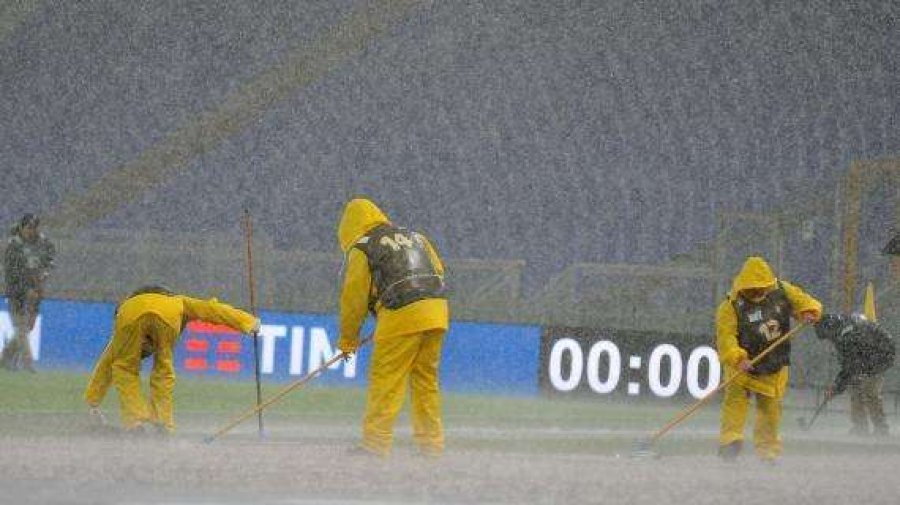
{"type": "Point", "coordinates": [251, 284]}
{"type": "Point", "coordinates": [251, 287]}
{"type": "Point", "coordinates": [703, 401]}
{"type": "Point", "coordinates": [817, 412]}
{"type": "Point", "coordinates": [281, 394]}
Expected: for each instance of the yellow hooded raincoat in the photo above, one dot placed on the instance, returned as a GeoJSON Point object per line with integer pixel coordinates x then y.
{"type": "Point", "coordinates": [769, 389]}
{"type": "Point", "coordinates": [153, 322]}
{"type": "Point", "coordinates": [407, 340]}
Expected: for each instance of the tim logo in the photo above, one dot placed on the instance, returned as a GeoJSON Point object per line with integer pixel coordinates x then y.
{"type": "Point", "coordinates": [211, 347]}
{"type": "Point", "coordinates": [215, 348]}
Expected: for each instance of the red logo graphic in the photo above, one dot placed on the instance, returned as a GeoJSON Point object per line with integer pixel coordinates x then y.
{"type": "Point", "coordinates": [198, 342]}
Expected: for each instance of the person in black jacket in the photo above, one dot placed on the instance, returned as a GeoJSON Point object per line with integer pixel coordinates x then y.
{"type": "Point", "coordinates": [865, 351]}
{"type": "Point", "coordinates": [27, 263]}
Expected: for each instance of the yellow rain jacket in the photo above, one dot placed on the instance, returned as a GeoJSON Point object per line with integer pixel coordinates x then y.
{"type": "Point", "coordinates": [361, 216]}
{"type": "Point", "coordinates": [769, 388]}
{"type": "Point", "coordinates": [756, 273]}
{"type": "Point", "coordinates": [150, 323]}
{"type": "Point", "coordinates": [407, 342]}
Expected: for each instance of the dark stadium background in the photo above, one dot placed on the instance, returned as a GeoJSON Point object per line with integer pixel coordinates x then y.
{"type": "Point", "coordinates": [553, 132]}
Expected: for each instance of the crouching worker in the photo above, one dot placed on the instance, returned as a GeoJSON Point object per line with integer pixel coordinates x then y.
{"type": "Point", "coordinates": [865, 352]}
{"type": "Point", "coordinates": [756, 312]}
{"type": "Point", "coordinates": [148, 323]}
{"type": "Point", "coordinates": [397, 275]}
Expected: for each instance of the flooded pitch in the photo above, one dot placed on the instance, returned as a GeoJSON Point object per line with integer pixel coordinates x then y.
{"type": "Point", "coordinates": [317, 468]}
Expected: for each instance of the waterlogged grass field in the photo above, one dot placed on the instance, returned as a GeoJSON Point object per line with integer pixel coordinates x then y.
{"type": "Point", "coordinates": [499, 450]}
{"type": "Point", "coordinates": [205, 404]}
{"type": "Point", "coordinates": [50, 404]}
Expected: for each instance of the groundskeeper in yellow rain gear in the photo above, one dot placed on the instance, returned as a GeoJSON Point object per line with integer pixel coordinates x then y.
{"type": "Point", "coordinates": [147, 323]}
{"type": "Point", "coordinates": [395, 274]}
{"type": "Point", "coordinates": [757, 311]}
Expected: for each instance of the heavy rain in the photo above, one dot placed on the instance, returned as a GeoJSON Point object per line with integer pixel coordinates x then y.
{"type": "Point", "coordinates": [553, 216]}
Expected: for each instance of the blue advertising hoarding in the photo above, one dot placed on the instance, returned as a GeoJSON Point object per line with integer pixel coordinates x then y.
{"type": "Point", "coordinates": [477, 357]}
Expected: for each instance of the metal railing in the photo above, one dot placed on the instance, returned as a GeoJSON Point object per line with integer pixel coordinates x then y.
{"type": "Point", "coordinates": [628, 296]}
{"type": "Point", "coordinates": [105, 265]}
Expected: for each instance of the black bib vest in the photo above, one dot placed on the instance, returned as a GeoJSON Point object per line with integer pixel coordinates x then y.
{"type": "Point", "coordinates": [762, 323]}
{"type": "Point", "coordinates": [402, 271]}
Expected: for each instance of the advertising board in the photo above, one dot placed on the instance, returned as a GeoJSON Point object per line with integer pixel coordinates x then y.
{"type": "Point", "coordinates": [477, 357]}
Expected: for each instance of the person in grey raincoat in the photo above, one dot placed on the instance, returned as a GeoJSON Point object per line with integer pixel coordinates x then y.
{"type": "Point", "coordinates": [27, 263]}
{"type": "Point", "coordinates": [865, 351]}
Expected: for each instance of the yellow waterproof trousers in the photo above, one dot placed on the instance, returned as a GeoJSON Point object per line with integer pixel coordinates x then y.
{"type": "Point", "coordinates": [735, 404]}
{"type": "Point", "coordinates": [120, 364]}
{"type": "Point", "coordinates": [396, 361]}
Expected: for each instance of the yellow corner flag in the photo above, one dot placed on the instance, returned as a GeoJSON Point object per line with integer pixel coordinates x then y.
{"type": "Point", "coordinates": [869, 303]}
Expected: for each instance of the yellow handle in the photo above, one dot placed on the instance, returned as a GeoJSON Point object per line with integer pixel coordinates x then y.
{"type": "Point", "coordinates": [258, 408]}
{"type": "Point", "coordinates": [693, 408]}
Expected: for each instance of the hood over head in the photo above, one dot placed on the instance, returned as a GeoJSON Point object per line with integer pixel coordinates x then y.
{"type": "Point", "coordinates": [360, 216]}
{"type": "Point", "coordinates": [755, 274]}
{"type": "Point", "coordinates": [830, 326]}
